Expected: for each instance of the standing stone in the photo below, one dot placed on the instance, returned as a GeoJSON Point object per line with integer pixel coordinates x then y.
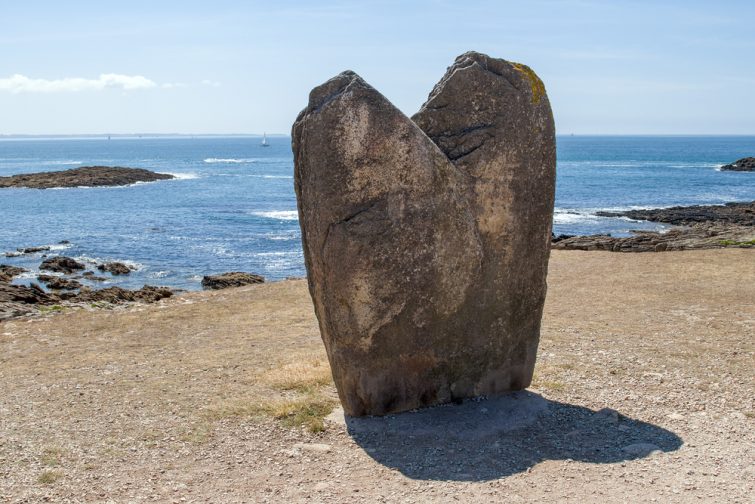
{"type": "Point", "coordinates": [426, 240]}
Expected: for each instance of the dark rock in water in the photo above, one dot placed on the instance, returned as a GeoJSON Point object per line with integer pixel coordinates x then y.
{"type": "Point", "coordinates": [426, 240]}
{"type": "Point", "coordinates": [744, 164]}
{"type": "Point", "coordinates": [27, 250]}
{"type": "Point", "coordinates": [58, 283]}
{"type": "Point", "coordinates": [89, 275]}
{"type": "Point", "coordinates": [34, 250]}
{"type": "Point", "coordinates": [7, 272]}
{"type": "Point", "coordinates": [61, 264]}
{"type": "Point", "coordinates": [86, 176]}
{"type": "Point", "coordinates": [117, 295]}
{"type": "Point", "coordinates": [115, 268]}
{"type": "Point", "coordinates": [231, 279]}
{"type": "Point", "coordinates": [742, 214]}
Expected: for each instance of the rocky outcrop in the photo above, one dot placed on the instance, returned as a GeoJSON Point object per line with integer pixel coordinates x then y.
{"type": "Point", "coordinates": [89, 275]}
{"type": "Point", "coordinates": [426, 240]}
{"type": "Point", "coordinates": [61, 264]}
{"type": "Point", "coordinates": [114, 268]}
{"type": "Point", "coordinates": [742, 214]}
{"type": "Point", "coordinates": [87, 176]}
{"type": "Point", "coordinates": [117, 295]}
{"type": "Point", "coordinates": [697, 236]}
{"type": "Point", "coordinates": [744, 164]}
{"type": "Point", "coordinates": [27, 250]}
{"type": "Point", "coordinates": [7, 272]}
{"type": "Point", "coordinates": [230, 279]}
{"type": "Point", "coordinates": [33, 294]}
{"type": "Point", "coordinates": [58, 283]}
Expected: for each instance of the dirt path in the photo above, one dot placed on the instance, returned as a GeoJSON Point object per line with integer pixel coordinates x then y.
{"type": "Point", "coordinates": [193, 400]}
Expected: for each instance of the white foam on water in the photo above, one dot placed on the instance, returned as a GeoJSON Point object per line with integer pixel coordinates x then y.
{"type": "Point", "coordinates": [573, 217]}
{"type": "Point", "coordinates": [285, 215]}
{"type": "Point", "coordinates": [60, 246]}
{"type": "Point", "coordinates": [135, 266]}
{"type": "Point", "coordinates": [32, 275]}
{"type": "Point", "coordinates": [61, 163]}
{"type": "Point", "coordinates": [181, 176]}
{"type": "Point", "coordinates": [229, 161]}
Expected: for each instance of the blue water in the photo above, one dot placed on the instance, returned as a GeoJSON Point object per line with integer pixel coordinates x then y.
{"type": "Point", "coordinates": [233, 206]}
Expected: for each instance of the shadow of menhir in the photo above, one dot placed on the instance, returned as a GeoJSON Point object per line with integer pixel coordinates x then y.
{"type": "Point", "coordinates": [482, 440]}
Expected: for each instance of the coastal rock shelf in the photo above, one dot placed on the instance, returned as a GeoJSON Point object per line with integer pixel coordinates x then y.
{"type": "Point", "coordinates": [20, 300]}
{"type": "Point", "coordinates": [426, 240]}
{"type": "Point", "coordinates": [86, 176]}
{"type": "Point", "coordinates": [742, 214]}
{"type": "Point", "coordinates": [230, 279]}
{"type": "Point", "coordinates": [698, 227]}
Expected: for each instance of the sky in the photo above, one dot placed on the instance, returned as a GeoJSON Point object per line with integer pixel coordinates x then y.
{"type": "Point", "coordinates": [246, 67]}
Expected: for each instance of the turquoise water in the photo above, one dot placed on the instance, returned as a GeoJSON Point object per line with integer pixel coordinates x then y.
{"type": "Point", "coordinates": [233, 208]}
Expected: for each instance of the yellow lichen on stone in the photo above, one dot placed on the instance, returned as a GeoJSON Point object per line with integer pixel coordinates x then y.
{"type": "Point", "coordinates": [537, 86]}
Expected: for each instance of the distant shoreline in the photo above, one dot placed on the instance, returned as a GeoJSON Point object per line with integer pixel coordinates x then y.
{"type": "Point", "coordinates": [113, 136]}
{"type": "Point", "coordinates": [136, 136]}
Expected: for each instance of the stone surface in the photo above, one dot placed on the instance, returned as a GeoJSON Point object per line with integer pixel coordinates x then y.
{"type": "Point", "coordinates": [230, 279]}
{"type": "Point", "coordinates": [7, 272]}
{"type": "Point", "coordinates": [426, 240]}
{"type": "Point", "coordinates": [61, 264]}
{"type": "Point", "coordinates": [114, 268]}
{"type": "Point", "coordinates": [742, 214]}
{"type": "Point", "coordinates": [86, 176]}
{"type": "Point", "coordinates": [698, 236]}
{"type": "Point", "coordinates": [33, 294]}
{"type": "Point", "coordinates": [117, 295]}
{"type": "Point", "coordinates": [744, 164]}
{"type": "Point", "coordinates": [58, 283]}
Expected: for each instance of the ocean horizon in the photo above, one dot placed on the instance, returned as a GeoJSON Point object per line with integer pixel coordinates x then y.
{"type": "Point", "coordinates": [232, 205]}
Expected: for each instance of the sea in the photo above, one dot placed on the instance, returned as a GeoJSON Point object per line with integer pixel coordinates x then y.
{"type": "Point", "coordinates": [232, 205]}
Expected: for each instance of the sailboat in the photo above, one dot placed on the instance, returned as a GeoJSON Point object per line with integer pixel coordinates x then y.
{"type": "Point", "coordinates": [264, 141]}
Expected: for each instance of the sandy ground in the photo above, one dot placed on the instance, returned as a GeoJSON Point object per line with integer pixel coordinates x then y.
{"type": "Point", "coordinates": [643, 392]}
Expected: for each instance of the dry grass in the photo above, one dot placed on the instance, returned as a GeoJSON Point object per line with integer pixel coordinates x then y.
{"type": "Point", "coordinates": [51, 456]}
{"type": "Point", "coordinates": [49, 477]}
{"type": "Point", "coordinates": [306, 374]}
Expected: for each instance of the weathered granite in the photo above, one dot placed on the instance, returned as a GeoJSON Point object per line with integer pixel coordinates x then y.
{"type": "Point", "coordinates": [426, 240]}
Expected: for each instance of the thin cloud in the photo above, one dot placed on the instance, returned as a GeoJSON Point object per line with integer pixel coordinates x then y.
{"type": "Point", "coordinates": [22, 84]}
{"type": "Point", "coordinates": [210, 83]}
